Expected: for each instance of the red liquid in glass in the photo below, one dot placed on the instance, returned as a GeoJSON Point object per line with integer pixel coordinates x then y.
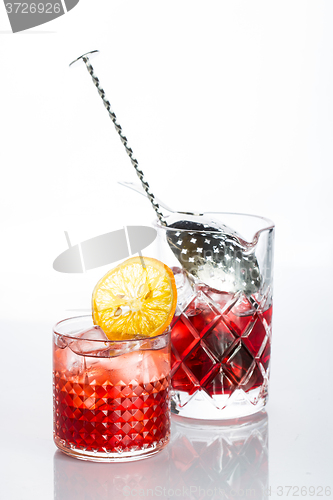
{"type": "Point", "coordinates": [220, 351]}
{"type": "Point", "coordinates": [110, 418]}
{"type": "Point", "coordinates": [111, 404]}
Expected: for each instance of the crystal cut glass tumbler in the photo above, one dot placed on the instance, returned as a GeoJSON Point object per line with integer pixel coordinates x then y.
{"type": "Point", "coordinates": [221, 333]}
{"type": "Point", "coordinates": [111, 398]}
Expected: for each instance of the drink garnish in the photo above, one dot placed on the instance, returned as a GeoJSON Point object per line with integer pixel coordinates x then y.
{"type": "Point", "coordinates": [135, 299]}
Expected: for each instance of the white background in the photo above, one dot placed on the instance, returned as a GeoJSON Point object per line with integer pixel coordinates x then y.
{"type": "Point", "coordinates": [228, 107]}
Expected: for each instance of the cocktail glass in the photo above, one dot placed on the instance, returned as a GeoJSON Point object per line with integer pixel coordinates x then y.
{"type": "Point", "coordinates": [221, 332]}
{"type": "Point", "coordinates": [111, 398]}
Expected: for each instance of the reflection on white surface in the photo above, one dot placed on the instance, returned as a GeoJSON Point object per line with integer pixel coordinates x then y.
{"type": "Point", "coordinates": [203, 460]}
{"type": "Point", "coordinates": [77, 480]}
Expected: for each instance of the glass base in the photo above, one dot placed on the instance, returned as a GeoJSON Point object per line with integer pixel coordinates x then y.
{"type": "Point", "coordinates": [219, 407]}
{"type": "Point", "coordinates": [95, 456]}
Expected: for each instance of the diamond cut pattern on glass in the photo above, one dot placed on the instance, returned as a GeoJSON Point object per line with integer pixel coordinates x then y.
{"type": "Point", "coordinates": [111, 418]}
{"type": "Point", "coordinates": [238, 362]}
{"type": "Point", "coordinates": [255, 336]}
{"type": "Point", "coordinates": [219, 339]}
{"type": "Point", "coordinates": [221, 343]}
{"type": "Point", "coordinates": [265, 357]}
{"type": "Point", "coordinates": [220, 383]}
{"type": "Point", "coordinates": [184, 338]}
{"type": "Point", "coordinates": [201, 363]}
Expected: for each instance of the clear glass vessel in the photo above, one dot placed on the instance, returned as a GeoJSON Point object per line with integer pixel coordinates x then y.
{"type": "Point", "coordinates": [111, 398]}
{"type": "Point", "coordinates": [221, 333]}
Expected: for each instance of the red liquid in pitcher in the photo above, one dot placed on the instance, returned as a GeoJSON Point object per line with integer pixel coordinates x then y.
{"type": "Point", "coordinates": [220, 343]}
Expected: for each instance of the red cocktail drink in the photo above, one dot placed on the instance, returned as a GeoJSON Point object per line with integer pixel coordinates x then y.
{"type": "Point", "coordinates": [220, 343]}
{"type": "Point", "coordinates": [221, 332]}
{"type": "Point", "coordinates": [111, 398]}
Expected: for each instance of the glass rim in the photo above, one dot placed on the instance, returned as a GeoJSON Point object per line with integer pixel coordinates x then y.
{"type": "Point", "coordinates": [86, 316]}
{"type": "Point", "coordinates": [269, 222]}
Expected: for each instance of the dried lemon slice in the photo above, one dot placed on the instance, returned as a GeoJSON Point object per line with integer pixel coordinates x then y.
{"type": "Point", "coordinates": [135, 299]}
